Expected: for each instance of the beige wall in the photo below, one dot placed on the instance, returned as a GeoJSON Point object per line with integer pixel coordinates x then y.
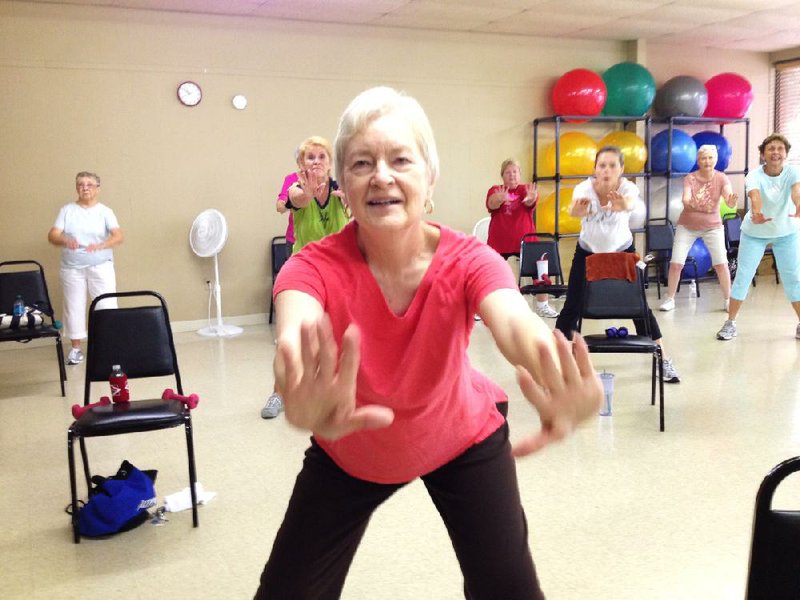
{"type": "Point", "coordinates": [94, 89]}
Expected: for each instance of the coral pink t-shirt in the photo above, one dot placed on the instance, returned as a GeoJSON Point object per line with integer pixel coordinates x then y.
{"type": "Point", "coordinates": [510, 221]}
{"type": "Point", "coordinates": [706, 196]}
{"type": "Point", "coordinates": [415, 363]}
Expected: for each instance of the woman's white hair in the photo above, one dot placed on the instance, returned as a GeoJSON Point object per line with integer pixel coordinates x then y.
{"type": "Point", "coordinates": [708, 149]}
{"type": "Point", "coordinates": [377, 102]}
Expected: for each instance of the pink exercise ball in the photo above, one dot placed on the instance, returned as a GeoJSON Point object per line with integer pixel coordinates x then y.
{"type": "Point", "coordinates": [579, 92]}
{"type": "Point", "coordinates": [729, 96]}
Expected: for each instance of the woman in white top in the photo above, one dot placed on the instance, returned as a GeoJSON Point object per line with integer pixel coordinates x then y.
{"type": "Point", "coordinates": [604, 203]}
{"type": "Point", "coordinates": [87, 231]}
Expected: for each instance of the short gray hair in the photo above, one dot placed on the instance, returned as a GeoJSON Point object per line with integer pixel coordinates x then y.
{"type": "Point", "coordinates": [377, 102]}
{"type": "Point", "coordinates": [94, 176]}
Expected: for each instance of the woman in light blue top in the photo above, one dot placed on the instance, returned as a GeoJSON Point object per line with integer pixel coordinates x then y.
{"type": "Point", "coordinates": [87, 231]}
{"type": "Point", "coordinates": [774, 193]}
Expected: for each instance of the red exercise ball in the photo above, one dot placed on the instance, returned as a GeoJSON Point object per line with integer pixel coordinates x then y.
{"type": "Point", "coordinates": [579, 92]}
{"type": "Point", "coordinates": [729, 96]}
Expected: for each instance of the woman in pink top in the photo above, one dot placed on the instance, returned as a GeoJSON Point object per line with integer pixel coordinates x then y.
{"type": "Point", "coordinates": [373, 329]}
{"type": "Point", "coordinates": [511, 207]}
{"type": "Point", "coordinates": [282, 205]}
{"type": "Point", "coordinates": [702, 192]}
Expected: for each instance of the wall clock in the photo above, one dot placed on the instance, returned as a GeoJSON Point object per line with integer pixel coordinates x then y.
{"type": "Point", "coordinates": [189, 93]}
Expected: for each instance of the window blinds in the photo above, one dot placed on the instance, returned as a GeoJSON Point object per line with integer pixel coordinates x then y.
{"type": "Point", "coordinates": [787, 105]}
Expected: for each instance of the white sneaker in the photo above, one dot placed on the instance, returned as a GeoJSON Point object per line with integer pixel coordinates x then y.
{"type": "Point", "coordinates": [670, 373]}
{"type": "Point", "coordinates": [546, 312]}
{"type": "Point", "coordinates": [75, 357]}
{"type": "Point", "coordinates": [667, 305]}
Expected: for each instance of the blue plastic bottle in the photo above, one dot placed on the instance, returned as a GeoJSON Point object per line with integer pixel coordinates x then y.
{"type": "Point", "coordinates": [19, 307]}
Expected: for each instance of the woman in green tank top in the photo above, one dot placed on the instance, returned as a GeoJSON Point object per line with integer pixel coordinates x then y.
{"type": "Point", "coordinates": [315, 199]}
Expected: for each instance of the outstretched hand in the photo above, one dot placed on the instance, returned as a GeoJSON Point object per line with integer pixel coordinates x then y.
{"type": "Point", "coordinates": [318, 385]}
{"type": "Point", "coordinates": [616, 201]}
{"type": "Point", "coordinates": [563, 398]}
{"type": "Point", "coordinates": [759, 218]}
{"type": "Point", "coordinates": [581, 207]}
{"type": "Point", "coordinates": [313, 182]}
{"type": "Point", "coordinates": [531, 194]}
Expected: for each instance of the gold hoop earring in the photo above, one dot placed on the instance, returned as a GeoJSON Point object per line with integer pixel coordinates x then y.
{"type": "Point", "coordinates": [429, 205]}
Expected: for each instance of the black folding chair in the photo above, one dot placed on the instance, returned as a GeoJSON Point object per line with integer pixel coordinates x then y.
{"type": "Point", "coordinates": [659, 238]}
{"type": "Point", "coordinates": [30, 283]}
{"type": "Point", "coordinates": [140, 340]}
{"type": "Point", "coordinates": [774, 572]}
{"type": "Point", "coordinates": [532, 250]}
{"type": "Point", "coordinates": [622, 299]}
{"type": "Point", "coordinates": [279, 254]}
{"type": "Point", "coordinates": [732, 224]}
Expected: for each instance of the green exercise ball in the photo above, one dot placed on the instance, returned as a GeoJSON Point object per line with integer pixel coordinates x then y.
{"type": "Point", "coordinates": [630, 90]}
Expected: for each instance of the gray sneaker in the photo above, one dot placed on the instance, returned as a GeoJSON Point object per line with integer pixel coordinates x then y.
{"type": "Point", "coordinates": [670, 374]}
{"type": "Point", "coordinates": [273, 407]}
{"type": "Point", "coordinates": [75, 357]}
{"type": "Point", "coordinates": [797, 332]}
{"type": "Point", "coordinates": [728, 331]}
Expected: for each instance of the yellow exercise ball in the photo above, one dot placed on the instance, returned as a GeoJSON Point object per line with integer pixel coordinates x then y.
{"type": "Point", "coordinates": [576, 155]}
{"type": "Point", "coordinates": [633, 149]}
{"type": "Point", "coordinates": [546, 214]}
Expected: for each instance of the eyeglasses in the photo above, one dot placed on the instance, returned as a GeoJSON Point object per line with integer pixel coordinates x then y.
{"type": "Point", "coordinates": [86, 185]}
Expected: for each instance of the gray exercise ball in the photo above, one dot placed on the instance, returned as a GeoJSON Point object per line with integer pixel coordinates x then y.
{"type": "Point", "coordinates": [681, 96]}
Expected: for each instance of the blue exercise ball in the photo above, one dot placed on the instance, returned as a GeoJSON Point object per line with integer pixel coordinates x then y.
{"type": "Point", "coordinates": [701, 257]}
{"type": "Point", "coordinates": [681, 96]}
{"type": "Point", "coordinates": [713, 138]}
{"type": "Point", "coordinates": [684, 151]}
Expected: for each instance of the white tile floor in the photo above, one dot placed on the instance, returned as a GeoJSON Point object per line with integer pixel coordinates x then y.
{"type": "Point", "coordinates": [619, 511]}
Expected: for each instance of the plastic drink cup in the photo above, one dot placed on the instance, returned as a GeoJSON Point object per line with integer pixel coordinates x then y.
{"type": "Point", "coordinates": [607, 380]}
{"type": "Point", "coordinates": [542, 267]}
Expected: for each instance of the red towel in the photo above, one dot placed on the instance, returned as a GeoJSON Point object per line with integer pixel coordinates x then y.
{"type": "Point", "coordinates": [611, 265]}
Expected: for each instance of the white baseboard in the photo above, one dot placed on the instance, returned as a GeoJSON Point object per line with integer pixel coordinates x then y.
{"type": "Point", "coordinates": [240, 320]}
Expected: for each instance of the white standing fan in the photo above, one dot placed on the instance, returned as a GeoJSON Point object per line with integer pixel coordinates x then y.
{"type": "Point", "coordinates": [207, 237]}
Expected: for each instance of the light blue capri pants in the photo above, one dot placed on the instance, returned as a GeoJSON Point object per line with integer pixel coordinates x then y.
{"type": "Point", "coordinates": [787, 257]}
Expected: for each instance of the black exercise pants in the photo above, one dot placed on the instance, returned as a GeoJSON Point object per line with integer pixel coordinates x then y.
{"type": "Point", "coordinates": [476, 494]}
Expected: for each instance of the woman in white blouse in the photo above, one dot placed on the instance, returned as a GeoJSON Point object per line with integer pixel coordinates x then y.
{"type": "Point", "coordinates": [87, 230]}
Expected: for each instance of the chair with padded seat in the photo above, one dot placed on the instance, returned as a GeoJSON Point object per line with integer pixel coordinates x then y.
{"type": "Point", "coordinates": [139, 339]}
{"type": "Point", "coordinates": [607, 299]}
{"type": "Point", "coordinates": [774, 572]}
{"type": "Point", "coordinates": [279, 254]}
{"type": "Point", "coordinates": [532, 248]}
{"type": "Point", "coordinates": [26, 277]}
{"type": "Point", "coordinates": [659, 238]}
